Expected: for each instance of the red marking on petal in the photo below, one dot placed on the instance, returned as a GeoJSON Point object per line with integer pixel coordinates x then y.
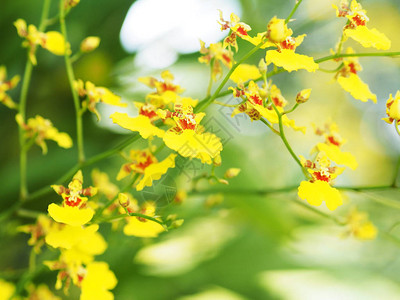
{"type": "Point", "coordinates": [277, 102]}
{"type": "Point", "coordinates": [144, 165]}
{"type": "Point", "coordinates": [226, 58]}
{"type": "Point", "coordinates": [241, 30]}
{"type": "Point", "coordinates": [256, 99]}
{"type": "Point", "coordinates": [332, 140]}
{"type": "Point", "coordinates": [352, 68]}
{"type": "Point", "coordinates": [359, 20]}
{"type": "Point", "coordinates": [321, 177]}
{"type": "Point", "coordinates": [74, 202]}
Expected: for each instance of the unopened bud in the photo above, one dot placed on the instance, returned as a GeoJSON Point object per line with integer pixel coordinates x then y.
{"type": "Point", "coordinates": [70, 3]}
{"type": "Point", "coordinates": [180, 196]}
{"type": "Point", "coordinates": [90, 43]}
{"type": "Point", "coordinates": [217, 160]}
{"type": "Point", "coordinates": [232, 172]}
{"type": "Point", "coordinates": [277, 30]}
{"type": "Point", "coordinates": [303, 96]}
{"type": "Point", "coordinates": [214, 200]}
{"type": "Point", "coordinates": [177, 223]}
{"type": "Point", "coordinates": [123, 200]}
{"type": "Point", "coordinates": [223, 181]}
{"type": "Point", "coordinates": [262, 66]}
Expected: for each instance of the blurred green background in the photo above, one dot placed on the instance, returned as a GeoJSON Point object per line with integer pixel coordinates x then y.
{"type": "Point", "coordinates": [252, 245]}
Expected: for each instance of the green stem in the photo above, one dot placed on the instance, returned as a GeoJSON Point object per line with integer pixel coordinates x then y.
{"type": "Point", "coordinates": [335, 56]}
{"type": "Point", "coordinates": [321, 213]}
{"type": "Point", "coordinates": [397, 127]}
{"type": "Point", "coordinates": [126, 188]}
{"type": "Point", "coordinates": [22, 109]}
{"type": "Point", "coordinates": [292, 109]}
{"type": "Point", "coordinates": [71, 79]}
{"type": "Point", "coordinates": [204, 104]}
{"type": "Point", "coordinates": [285, 141]}
{"type": "Point", "coordinates": [293, 11]}
{"type": "Point", "coordinates": [114, 218]}
{"type": "Point", "coordinates": [47, 189]}
{"type": "Point", "coordinates": [211, 78]}
{"type": "Point", "coordinates": [396, 172]}
{"type": "Point", "coordinates": [270, 126]}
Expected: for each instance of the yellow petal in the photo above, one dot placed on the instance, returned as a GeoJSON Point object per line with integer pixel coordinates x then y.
{"type": "Point", "coordinates": [97, 281]}
{"type": "Point", "coordinates": [6, 290]}
{"type": "Point", "coordinates": [317, 192]}
{"type": "Point", "coordinates": [142, 124]}
{"type": "Point", "coordinates": [356, 87]}
{"type": "Point", "coordinates": [109, 97]}
{"type": "Point", "coordinates": [341, 158]}
{"type": "Point", "coordinates": [144, 228]}
{"type": "Point", "coordinates": [291, 61]}
{"type": "Point", "coordinates": [245, 72]}
{"type": "Point", "coordinates": [155, 171]}
{"type": "Point", "coordinates": [70, 215]}
{"type": "Point", "coordinates": [369, 37]}
{"type": "Point", "coordinates": [204, 146]}
{"type": "Point", "coordinates": [63, 140]}
{"type": "Point", "coordinates": [55, 43]}
{"type": "Point", "coordinates": [366, 231]}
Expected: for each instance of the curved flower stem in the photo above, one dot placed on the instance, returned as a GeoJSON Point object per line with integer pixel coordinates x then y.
{"type": "Point", "coordinates": [290, 110]}
{"type": "Point", "coordinates": [208, 100]}
{"type": "Point", "coordinates": [298, 2]}
{"type": "Point", "coordinates": [396, 172]}
{"type": "Point", "coordinates": [319, 212]}
{"type": "Point", "coordinates": [397, 128]}
{"type": "Point", "coordinates": [47, 189]}
{"type": "Point", "coordinates": [285, 141]}
{"type": "Point", "coordinates": [115, 218]}
{"type": "Point", "coordinates": [22, 109]}
{"type": "Point", "coordinates": [110, 202]}
{"type": "Point", "coordinates": [71, 79]}
{"type": "Point", "coordinates": [270, 126]}
{"type": "Point", "coordinates": [211, 78]}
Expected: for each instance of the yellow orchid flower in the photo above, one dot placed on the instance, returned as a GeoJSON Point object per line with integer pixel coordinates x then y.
{"type": "Point", "coordinates": [333, 143]}
{"type": "Point", "coordinates": [145, 163]}
{"type": "Point", "coordinates": [41, 129]}
{"type": "Point", "coordinates": [393, 109]}
{"type": "Point", "coordinates": [254, 106]}
{"type": "Point", "coordinates": [237, 28]}
{"type": "Point", "coordinates": [95, 94]}
{"type": "Point", "coordinates": [216, 54]}
{"type": "Point", "coordinates": [53, 41]}
{"type": "Point", "coordinates": [164, 85]}
{"type": "Point", "coordinates": [38, 231]}
{"type": "Point", "coordinates": [188, 138]}
{"type": "Point", "coordinates": [73, 210]}
{"type": "Point", "coordinates": [141, 227]}
{"type": "Point", "coordinates": [6, 85]}
{"type": "Point", "coordinates": [360, 227]}
{"type": "Point", "coordinates": [348, 79]}
{"type": "Point", "coordinates": [318, 189]}
{"type": "Point", "coordinates": [102, 182]}
{"type": "Point", "coordinates": [357, 29]}
{"type": "Point", "coordinates": [285, 55]}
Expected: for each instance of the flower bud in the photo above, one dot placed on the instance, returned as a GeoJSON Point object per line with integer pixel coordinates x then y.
{"type": "Point", "coordinates": [262, 66]}
{"type": "Point", "coordinates": [277, 30]}
{"type": "Point", "coordinates": [123, 200]}
{"type": "Point", "coordinates": [89, 44]}
{"type": "Point", "coordinates": [177, 223]}
{"type": "Point", "coordinates": [303, 96]}
{"type": "Point", "coordinates": [232, 172]}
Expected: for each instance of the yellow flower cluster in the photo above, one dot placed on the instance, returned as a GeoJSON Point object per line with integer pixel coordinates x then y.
{"type": "Point", "coordinates": [6, 85]}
